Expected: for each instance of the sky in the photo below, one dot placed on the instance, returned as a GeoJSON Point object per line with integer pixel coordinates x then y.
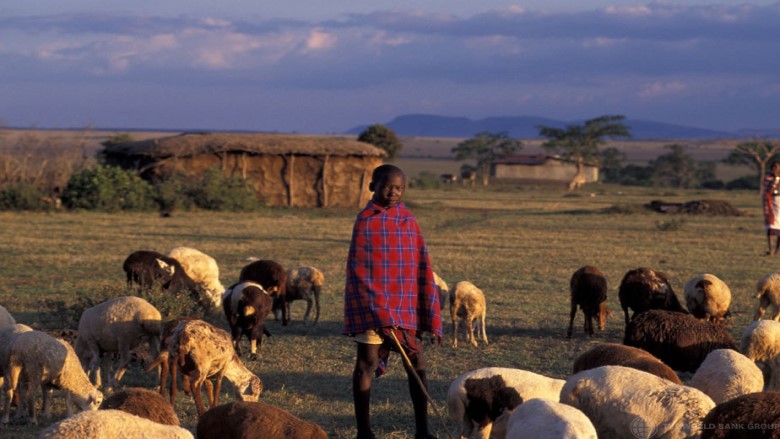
{"type": "Point", "coordinates": [326, 66]}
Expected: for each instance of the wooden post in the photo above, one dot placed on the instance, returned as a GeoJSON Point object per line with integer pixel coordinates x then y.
{"type": "Point", "coordinates": [290, 180]}
{"type": "Point", "coordinates": [243, 165]}
{"type": "Point", "coordinates": [325, 181]}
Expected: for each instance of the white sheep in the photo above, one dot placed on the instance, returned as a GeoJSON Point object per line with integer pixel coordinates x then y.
{"type": "Point", "coordinates": [6, 319]}
{"type": "Point", "coordinates": [116, 326]}
{"type": "Point", "coordinates": [760, 342]}
{"type": "Point", "coordinates": [540, 418]}
{"type": "Point", "coordinates": [493, 387]}
{"type": "Point", "coordinates": [303, 283]}
{"type": "Point", "coordinates": [202, 269]}
{"type": "Point", "coordinates": [202, 351]}
{"type": "Point", "coordinates": [621, 401]}
{"type": "Point", "coordinates": [444, 289]}
{"type": "Point", "coordinates": [467, 303]}
{"type": "Point", "coordinates": [47, 362]}
{"type": "Point", "coordinates": [707, 297]}
{"type": "Point", "coordinates": [7, 335]}
{"type": "Point", "coordinates": [111, 424]}
{"type": "Point", "coordinates": [726, 374]}
{"type": "Point", "coordinates": [768, 294]}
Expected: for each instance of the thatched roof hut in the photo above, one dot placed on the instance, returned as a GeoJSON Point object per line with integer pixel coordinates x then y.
{"type": "Point", "coordinates": [285, 170]}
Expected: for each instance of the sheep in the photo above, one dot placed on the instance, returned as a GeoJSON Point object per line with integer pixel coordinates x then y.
{"type": "Point", "coordinates": [760, 342]}
{"type": "Point", "coordinates": [48, 362]}
{"type": "Point", "coordinates": [679, 340]}
{"type": "Point", "coordinates": [708, 298]}
{"type": "Point", "coordinates": [142, 402]}
{"type": "Point", "coordinates": [726, 374]}
{"type": "Point", "coordinates": [149, 269]}
{"type": "Point", "coordinates": [539, 418]}
{"type": "Point", "coordinates": [614, 354]}
{"type": "Point", "coordinates": [588, 288]}
{"type": "Point", "coordinates": [6, 319]}
{"type": "Point", "coordinates": [444, 290]}
{"type": "Point", "coordinates": [202, 351]}
{"type": "Point", "coordinates": [486, 402]}
{"type": "Point", "coordinates": [467, 302]}
{"type": "Point", "coordinates": [768, 294]}
{"type": "Point", "coordinates": [202, 269]}
{"type": "Point", "coordinates": [755, 415]}
{"type": "Point", "coordinates": [163, 360]}
{"type": "Point", "coordinates": [644, 288]}
{"type": "Point", "coordinates": [116, 326]}
{"type": "Point", "coordinates": [246, 305]}
{"type": "Point", "coordinates": [620, 401]}
{"type": "Point", "coordinates": [242, 419]}
{"type": "Point", "coordinates": [304, 283]}
{"type": "Point", "coordinates": [273, 277]}
{"type": "Point", "coordinates": [7, 335]}
{"type": "Point", "coordinates": [111, 424]}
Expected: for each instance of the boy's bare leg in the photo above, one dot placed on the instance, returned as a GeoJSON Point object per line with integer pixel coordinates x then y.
{"type": "Point", "coordinates": [365, 366]}
{"type": "Point", "coordinates": [419, 401]}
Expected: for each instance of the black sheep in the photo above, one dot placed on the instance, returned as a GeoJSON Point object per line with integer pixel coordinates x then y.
{"type": "Point", "coordinates": [272, 276]}
{"type": "Point", "coordinates": [149, 269]}
{"type": "Point", "coordinates": [644, 288]}
{"type": "Point", "coordinates": [246, 304]}
{"type": "Point", "coordinates": [679, 340]}
{"type": "Point", "coordinates": [755, 416]}
{"type": "Point", "coordinates": [588, 288]}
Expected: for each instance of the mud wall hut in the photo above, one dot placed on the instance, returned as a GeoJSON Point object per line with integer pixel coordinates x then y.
{"type": "Point", "coordinates": [285, 170]}
{"type": "Point", "coordinates": [542, 168]}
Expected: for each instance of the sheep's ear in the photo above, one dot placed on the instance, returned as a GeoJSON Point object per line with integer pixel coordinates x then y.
{"type": "Point", "coordinates": [170, 269]}
{"type": "Point", "coordinates": [249, 310]}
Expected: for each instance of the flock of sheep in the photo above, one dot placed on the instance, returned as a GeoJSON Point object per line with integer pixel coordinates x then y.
{"type": "Point", "coordinates": [628, 390]}
{"type": "Point", "coordinates": [633, 390]}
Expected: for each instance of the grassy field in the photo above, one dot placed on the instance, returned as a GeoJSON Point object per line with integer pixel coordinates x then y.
{"type": "Point", "coordinates": [520, 245]}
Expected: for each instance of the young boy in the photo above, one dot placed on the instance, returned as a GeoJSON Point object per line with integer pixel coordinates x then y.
{"type": "Point", "coordinates": [389, 291]}
{"type": "Point", "coordinates": [771, 202]}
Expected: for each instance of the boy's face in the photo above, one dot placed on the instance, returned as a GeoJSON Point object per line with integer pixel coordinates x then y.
{"type": "Point", "coordinates": [389, 190]}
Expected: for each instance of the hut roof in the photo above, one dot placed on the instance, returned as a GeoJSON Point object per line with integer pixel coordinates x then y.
{"type": "Point", "coordinates": [189, 144]}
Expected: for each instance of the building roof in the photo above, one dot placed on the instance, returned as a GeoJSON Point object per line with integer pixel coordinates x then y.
{"type": "Point", "coordinates": [189, 144]}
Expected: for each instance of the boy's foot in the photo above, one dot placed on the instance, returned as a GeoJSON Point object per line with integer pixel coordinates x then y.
{"type": "Point", "coordinates": [366, 436]}
{"type": "Point", "coordinates": [427, 436]}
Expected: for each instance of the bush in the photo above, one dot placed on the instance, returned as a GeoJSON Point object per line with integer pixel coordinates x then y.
{"type": "Point", "coordinates": [215, 191]}
{"type": "Point", "coordinates": [747, 182]}
{"type": "Point", "coordinates": [23, 196]}
{"type": "Point", "coordinates": [173, 194]}
{"type": "Point", "coordinates": [107, 188]}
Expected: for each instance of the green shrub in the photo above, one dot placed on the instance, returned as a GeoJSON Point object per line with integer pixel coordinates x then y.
{"type": "Point", "coordinates": [23, 196]}
{"type": "Point", "coordinates": [174, 193]}
{"type": "Point", "coordinates": [108, 188]}
{"type": "Point", "coordinates": [215, 191]}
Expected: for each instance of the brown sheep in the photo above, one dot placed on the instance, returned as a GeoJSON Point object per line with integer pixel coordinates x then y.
{"type": "Point", "coordinates": [163, 360]}
{"type": "Point", "coordinates": [755, 415]}
{"type": "Point", "coordinates": [588, 288]}
{"type": "Point", "coordinates": [246, 306]}
{"type": "Point", "coordinates": [304, 283]}
{"type": "Point", "coordinates": [644, 288]}
{"type": "Point", "coordinates": [467, 303]}
{"type": "Point", "coordinates": [614, 354]}
{"type": "Point", "coordinates": [273, 278]}
{"type": "Point", "coordinates": [255, 420]}
{"type": "Point", "coordinates": [142, 402]}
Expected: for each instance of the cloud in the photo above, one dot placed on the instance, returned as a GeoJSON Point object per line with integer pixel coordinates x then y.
{"type": "Point", "coordinates": [657, 88]}
{"type": "Point", "coordinates": [319, 40]}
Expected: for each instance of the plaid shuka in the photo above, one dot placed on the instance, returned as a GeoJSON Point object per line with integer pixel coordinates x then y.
{"type": "Point", "coordinates": [389, 277]}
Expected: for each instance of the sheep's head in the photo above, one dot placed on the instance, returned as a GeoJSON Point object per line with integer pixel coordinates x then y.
{"type": "Point", "coordinates": [91, 402]}
{"type": "Point", "coordinates": [251, 390]}
{"type": "Point", "coordinates": [603, 313]}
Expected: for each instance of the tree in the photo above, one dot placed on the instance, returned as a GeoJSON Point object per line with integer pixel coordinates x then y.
{"type": "Point", "coordinates": [383, 138]}
{"type": "Point", "coordinates": [756, 154]}
{"type": "Point", "coordinates": [485, 147]}
{"type": "Point", "coordinates": [612, 160]}
{"type": "Point", "coordinates": [678, 169]}
{"type": "Point", "coordinates": [581, 142]}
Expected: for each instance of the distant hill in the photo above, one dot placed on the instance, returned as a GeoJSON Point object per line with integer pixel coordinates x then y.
{"type": "Point", "coordinates": [524, 127]}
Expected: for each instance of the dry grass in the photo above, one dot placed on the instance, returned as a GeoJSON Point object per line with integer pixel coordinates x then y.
{"type": "Point", "coordinates": [520, 245]}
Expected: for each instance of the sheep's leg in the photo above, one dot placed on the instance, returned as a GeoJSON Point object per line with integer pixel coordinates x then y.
{"type": "Point", "coordinates": [763, 303]}
{"type": "Point", "coordinates": [10, 385]}
{"type": "Point", "coordinates": [470, 332]}
{"type": "Point", "coordinates": [317, 304]}
{"type": "Point", "coordinates": [625, 312]}
{"type": "Point", "coordinates": [309, 305]}
{"type": "Point", "coordinates": [775, 312]}
{"type": "Point", "coordinates": [217, 389]}
{"type": "Point", "coordinates": [483, 432]}
{"type": "Point", "coordinates": [209, 392]}
{"type": "Point", "coordinates": [482, 328]}
{"type": "Point", "coordinates": [47, 392]}
{"type": "Point", "coordinates": [572, 314]}
{"type": "Point", "coordinates": [588, 322]}
{"type": "Point", "coordinates": [94, 364]}
{"type": "Point", "coordinates": [455, 333]}
{"type": "Point", "coordinates": [285, 309]}
{"type": "Point", "coordinates": [196, 386]}
{"type": "Point", "coordinates": [236, 333]}
{"type": "Point", "coordinates": [69, 403]}
{"type": "Point", "coordinates": [174, 366]}
{"type": "Point", "coordinates": [124, 361]}
{"type": "Point", "coordinates": [35, 376]}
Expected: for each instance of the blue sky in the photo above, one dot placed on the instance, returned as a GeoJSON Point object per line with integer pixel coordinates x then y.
{"type": "Point", "coordinates": [326, 66]}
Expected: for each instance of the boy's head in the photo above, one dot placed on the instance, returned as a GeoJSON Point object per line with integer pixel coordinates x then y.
{"type": "Point", "coordinates": [388, 183]}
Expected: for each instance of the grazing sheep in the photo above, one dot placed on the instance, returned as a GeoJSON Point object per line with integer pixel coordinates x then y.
{"type": "Point", "coordinates": [726, 374]}
{"type": "Point", "coordinates": [755, 416]}
{"type": "Point", "coordinates": [50, 363]}
{"type": "Point", "coordinates": [163, 360]}
{"type": "Point", "coordinates": [644, 288]}
{"type": "Point", "coordinates": [304, 283]}
{"type": "Point", "coordinates": [246, 306]}
{"type": "Point", "coordinates": [6, 319]}
{"type": "Point", "coordinates": [679, 340]}
{"type": "Point", "coordinates": [588, 288]}
{"type": "Point", "coordinates": [142, 402]}
{"type": "Point", "coordinates": [484, 405]}
{"type": "Point", "coordinates": [203, 351]}
{"type": "Point", "coordinates": [620, 401]}
{"type": "Point", "coordinates": [760, 342]}
{"type": "Point", "coordinates": [273, 277]}
{"type": "Point", "coordinates": [444, 290]}
{"type": "Point", "coordinates": [111, 424]}
{"type": "Point", "coordinates": [202, 269]}
{"type": "Point", "coordinates": [539, 418]}
{"type": "Point", "coordinates": [243, 419]}
{"type": "Point", "coordinates": [116, 326]}
{"type": "Point", "coordinates": [149, 269]}
{"type": "Point", "coordinates": [7, 335]}
{"type": "Point", "coordinates": [614, 354]}
{"type": "Point", "coordinates": [708, 298]}
{"type": "Point", "coordinates": [467, 303]}
{"type": "Point", "coordinates": [768, 294]}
